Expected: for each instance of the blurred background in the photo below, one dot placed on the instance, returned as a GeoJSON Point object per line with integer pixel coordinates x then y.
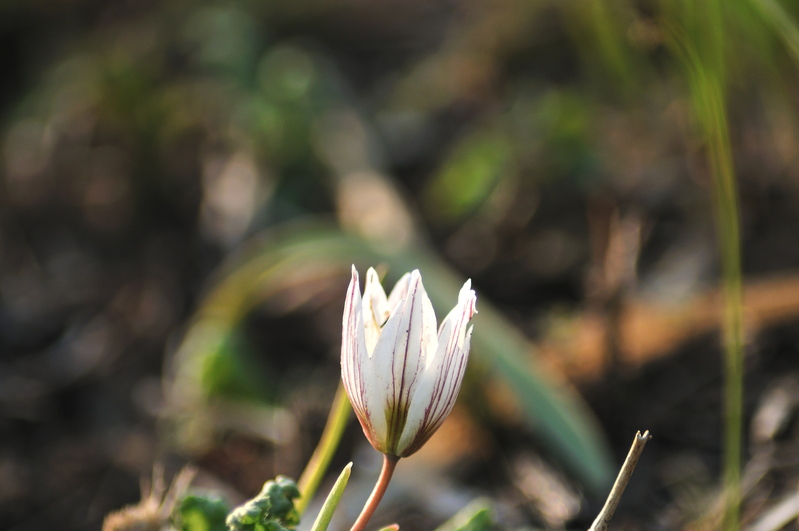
{"type": "Point", "coordinates": [184, 185]}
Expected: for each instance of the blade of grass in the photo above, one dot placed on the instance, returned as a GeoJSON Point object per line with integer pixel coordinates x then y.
{"type": "Point", "coordinates": [725, 193]}
{"type": "Point", "coordinates": [774, 14]}
{"type": "Point", "coordinates": [704, 63]}
{"type": "Point", "coordinates": [329, 507]}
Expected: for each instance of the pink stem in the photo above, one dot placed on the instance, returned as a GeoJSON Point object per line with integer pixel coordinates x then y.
{"type": "Point", "coordinates": [389, 464]}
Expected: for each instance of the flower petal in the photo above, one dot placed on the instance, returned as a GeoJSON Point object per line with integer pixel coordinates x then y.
{"type": "Point", "coordinates": [398, 355]}
{"type": "Point", "coordinates": [401, 374]}
{"type": "Point", "coordinates": [357, 371]}
{"type": "Point", "coordinates": [375, 309]}
{"type": "Point", "coordinates": [429, 342]}
{"type": "Point", "coordinates": [399, 291]}
{"type": "Point", "coordinates": [440, 382]}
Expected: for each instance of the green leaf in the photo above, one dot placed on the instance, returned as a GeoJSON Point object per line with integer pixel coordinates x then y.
{"type": "Point", "coordinates": [470, 173]}
{"type": "Point", "coordinates": [328, 443]}
{"type": "Point", "coordinates": [230, 369]}
{"type": "Point", "coordinates": [476, 516]}
{"type": "Point", "coordinates": [272, 510]}
{"type": "Point", "coordinates": [329, 507]}
{"type": "Point", "coordinates": [784, 26]}
{"type": "Point", "coordinates": [202, 513]}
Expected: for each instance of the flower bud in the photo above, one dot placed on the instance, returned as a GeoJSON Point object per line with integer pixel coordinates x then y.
{"type": "Point", "coordinates": [401, 374]}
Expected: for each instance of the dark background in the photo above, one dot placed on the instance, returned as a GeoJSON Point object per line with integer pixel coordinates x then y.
{"type": "Point", "coordinates": [547, 150]}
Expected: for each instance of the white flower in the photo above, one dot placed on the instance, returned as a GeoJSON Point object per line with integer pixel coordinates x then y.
{"type": "Point", "coordinates": [402, 376]}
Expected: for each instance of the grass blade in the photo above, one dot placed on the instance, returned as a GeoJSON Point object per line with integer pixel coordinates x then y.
{"type": "Point", "coordinates": [329, 507]}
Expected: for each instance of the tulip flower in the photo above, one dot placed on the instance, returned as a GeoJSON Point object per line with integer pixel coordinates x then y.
{"type": "Point", "coordinates": [401, 372]}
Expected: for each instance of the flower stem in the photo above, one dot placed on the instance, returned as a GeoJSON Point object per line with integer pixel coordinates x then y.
{"type": "Point", "coordinates": [389, 464]}
{"type": "Point", "coordinates": [317, 466]}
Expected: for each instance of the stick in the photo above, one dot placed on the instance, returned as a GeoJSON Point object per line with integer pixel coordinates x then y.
{"type": "Point", "coordinates": [626, 472]}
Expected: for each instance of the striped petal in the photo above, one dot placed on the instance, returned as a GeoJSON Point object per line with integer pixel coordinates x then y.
{"type": "Point", "coordinates": [396, 358]}
{"type": "Point", "coordinates": [441, 379]}
{"type": "Point", "coordinates": [357, 373]}
{"type": "Point", "coordinates": [401, 374]}
{"type": "Point", "coordinates": [400, 291]}
{"type": "Point", "coordinates": [375, 309]}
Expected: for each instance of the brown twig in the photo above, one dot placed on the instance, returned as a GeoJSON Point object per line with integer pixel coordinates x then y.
{"type": "Point", "coordinates": [626, 472]}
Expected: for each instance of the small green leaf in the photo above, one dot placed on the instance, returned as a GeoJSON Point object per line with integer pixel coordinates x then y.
{"type": "Point", "coordinates": [476, 516]}
{"type": "Point", "coordinates": [469, 174]}
{"type": "Point", "coordinates": [329, 507]}
{"type": "Point", "coordinates": [202, 512]}
{"type": "Point", "coordinates": [272, 510]}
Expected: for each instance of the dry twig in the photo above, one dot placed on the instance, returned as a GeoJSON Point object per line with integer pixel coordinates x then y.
{"type": "Point", "coordinates": [626, 472]}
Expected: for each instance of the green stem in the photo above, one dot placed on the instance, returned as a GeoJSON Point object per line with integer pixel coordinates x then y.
{"type": "Point", "coordinates": [725, 197]}
{"type": "Point", "coordinates": [331, 436]}
{"type": "Point", "coordinates": [704, 59]}
{"type": "Point", "coordinates": [727, 227]}
{"type": "Point", "coordinates": [389, 464]}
